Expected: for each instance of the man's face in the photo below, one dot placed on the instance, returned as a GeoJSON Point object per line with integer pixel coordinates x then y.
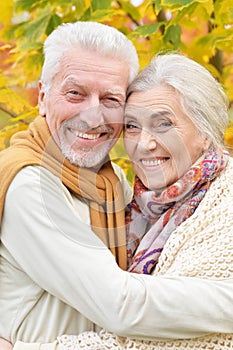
{"type": "Point", "coordinates": [85, 104]}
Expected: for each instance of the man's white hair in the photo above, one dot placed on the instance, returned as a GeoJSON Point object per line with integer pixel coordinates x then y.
{"type": "Point", "coordinates": [87, 35]}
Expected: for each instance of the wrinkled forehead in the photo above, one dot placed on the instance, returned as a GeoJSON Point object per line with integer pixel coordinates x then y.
{"type": "Point", "coordinates": [161, 99]}
{"type": "Point", "coordinates": [145, 113]}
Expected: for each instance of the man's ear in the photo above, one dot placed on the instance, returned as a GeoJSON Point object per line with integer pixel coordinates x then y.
{"type": "Point", "coordinates": [41, 99]}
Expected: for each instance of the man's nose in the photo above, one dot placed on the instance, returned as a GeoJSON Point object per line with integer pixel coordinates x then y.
{"type": "Point", "coordinates": [93, 113]}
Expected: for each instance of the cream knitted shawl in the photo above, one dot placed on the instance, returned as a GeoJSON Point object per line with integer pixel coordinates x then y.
{"type": "Point", "coordinates": [200, 247]}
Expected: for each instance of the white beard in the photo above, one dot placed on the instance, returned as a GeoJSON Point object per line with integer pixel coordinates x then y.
{"type": "Point", "coordinates": [89, 159]}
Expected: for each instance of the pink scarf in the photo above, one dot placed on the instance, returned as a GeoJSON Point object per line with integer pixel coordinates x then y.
{"type": "Point", "coordinates": [152, 218]}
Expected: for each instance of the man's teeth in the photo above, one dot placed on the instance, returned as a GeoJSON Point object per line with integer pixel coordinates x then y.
{"type": "Point", "coordinates": [87, 136]}
{"type": "Point", "coordinates": [153, 162]}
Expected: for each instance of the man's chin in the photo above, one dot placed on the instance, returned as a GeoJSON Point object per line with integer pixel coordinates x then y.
{"type": "Point", "coordinates": [87, 160]}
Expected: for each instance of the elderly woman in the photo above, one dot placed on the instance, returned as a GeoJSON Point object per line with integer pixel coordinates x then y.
{"type": "Point", "coordinates": [180, 219]}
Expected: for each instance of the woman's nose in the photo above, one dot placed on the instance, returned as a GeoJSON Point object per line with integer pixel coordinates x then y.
{"type": "Point", "coordinates": [147, 141]}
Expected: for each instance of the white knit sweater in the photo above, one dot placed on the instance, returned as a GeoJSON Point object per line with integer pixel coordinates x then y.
{"type": "Point", "coordinates": [202, 247]}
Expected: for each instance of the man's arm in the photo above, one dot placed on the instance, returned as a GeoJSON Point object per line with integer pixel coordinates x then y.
{"type": "Point", "coordinates": [128, 304]}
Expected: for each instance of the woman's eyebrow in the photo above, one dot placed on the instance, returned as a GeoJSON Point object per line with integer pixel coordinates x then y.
{"type": "Point", "coordinates": [153, 115]}
{"type": "Point", "coordinates": [129, 116]}
{"type": "Point", "coordinates": [160, 114]}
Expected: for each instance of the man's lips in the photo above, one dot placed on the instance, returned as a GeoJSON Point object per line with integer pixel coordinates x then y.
{"type": "Point", "coordinates": [88, 136]}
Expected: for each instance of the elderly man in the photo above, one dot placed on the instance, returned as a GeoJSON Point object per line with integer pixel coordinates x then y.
{"type": "Point", "coordinates": [58, 186]}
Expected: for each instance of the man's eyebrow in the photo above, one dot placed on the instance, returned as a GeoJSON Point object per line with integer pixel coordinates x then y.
{"type": "Point", "coordinates": [116, 92]}
{"type": "Point", "coordinates": [73, 81]}
{"type": "Point", "coordinates": [109, 91]}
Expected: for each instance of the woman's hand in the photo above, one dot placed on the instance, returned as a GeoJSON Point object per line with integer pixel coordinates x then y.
{"type": "Point", "coordinates": [5, 345]}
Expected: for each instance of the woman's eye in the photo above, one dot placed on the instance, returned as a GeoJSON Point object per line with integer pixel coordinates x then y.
{"type": "Point", "coordinates": [166, 123]}
{"type": "Point", "coordinates": [163, 125]}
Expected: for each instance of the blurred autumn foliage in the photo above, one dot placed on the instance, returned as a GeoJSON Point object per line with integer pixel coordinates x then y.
{"type": "Point", "coordinates": [201, 29]}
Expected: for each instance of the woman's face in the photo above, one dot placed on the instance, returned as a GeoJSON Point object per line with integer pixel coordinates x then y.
{"type": "Point", "coordinates": [160, 139]}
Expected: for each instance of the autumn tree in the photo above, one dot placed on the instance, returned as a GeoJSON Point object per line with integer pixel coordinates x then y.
{"type": "Point", "coordinates": [201, 29]}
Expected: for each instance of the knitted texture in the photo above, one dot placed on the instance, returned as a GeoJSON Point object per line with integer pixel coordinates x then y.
{"type": "Point", "coordinates": [200, 247]}
{"type": "Point", "coordinates": [106, 340]}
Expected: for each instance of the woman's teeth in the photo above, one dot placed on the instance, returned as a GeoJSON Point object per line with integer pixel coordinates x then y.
{"type": "Point", "coordinates": [153, 162]}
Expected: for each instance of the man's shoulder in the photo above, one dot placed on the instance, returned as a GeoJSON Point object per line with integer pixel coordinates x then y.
{"type": "Point", "coordinates": [127, 189]}
{"type": "Point", "coordinates": [32, 175]}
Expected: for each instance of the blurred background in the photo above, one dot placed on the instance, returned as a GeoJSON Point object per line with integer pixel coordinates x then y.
{"type": "Point", "coordinates": [202, 30]}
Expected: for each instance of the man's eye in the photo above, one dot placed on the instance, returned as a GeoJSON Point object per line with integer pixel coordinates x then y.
{"type": "Point", "coordinates": [131, 127]}
{"type": "Point", "coordinates": [74, 96]}
{"type": "Point", "coordinates": [74, 92]}
{"type": "Point", "coordinates": [112, 102]}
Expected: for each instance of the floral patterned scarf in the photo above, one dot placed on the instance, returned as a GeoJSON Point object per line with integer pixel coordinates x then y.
{"type": "Point", "coordinates": [152, 218]}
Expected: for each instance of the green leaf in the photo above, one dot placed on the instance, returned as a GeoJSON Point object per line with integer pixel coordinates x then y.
{"type": "Point", "coordinates": [185, 13]}
{"type": "Point", "coordinates": [173, 34]}
{"type": "Point", "coordinates": [100, 5]}
{"type": "Point", "coordinates": [30, 46]}
{"type": "Point", "coordinates": [80, 7]}
{"type": "Point", "coordinates": [130, 9]}
{"type": "Point", "coordinates": [86, 15]}
{"type": "Point", "coordinates": [223, 11]}
{"type": "Point", "coordinates": [29, 5]}
{"type": "Point", "coordinates": [34, 30]}
{"type": "Point", "coordinates": [21, 5]}
{"type": "Point", "coordinates": [102, 15]}
{"type": "Point", "coordinates": [205, 45]}
{"type": "Point", "coordinates": [157, 5]}
{"type": "Point", "coordinates": [223, 38]}
{"type": "Point", "coordinates": [145, 30]}
{"type": "Point", "coordinates": [54, 21]}
{"type": "Point", "coordinates": [179, 3]}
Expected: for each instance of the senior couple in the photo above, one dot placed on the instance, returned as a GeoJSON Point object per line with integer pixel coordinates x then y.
{"type": "Point", "coordinates": [157, 272]}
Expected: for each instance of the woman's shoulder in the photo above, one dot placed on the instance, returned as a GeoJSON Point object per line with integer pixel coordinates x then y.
{"type": "Point", "coordinates": [230, 163]}
{"type": "Point", "coordinates": [226, 179]}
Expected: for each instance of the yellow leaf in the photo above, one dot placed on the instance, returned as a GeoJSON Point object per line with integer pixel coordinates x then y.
{"type": "Point", "coordinates": [13, 101]}
{"type": "Point", "coordinates": [6, 12]}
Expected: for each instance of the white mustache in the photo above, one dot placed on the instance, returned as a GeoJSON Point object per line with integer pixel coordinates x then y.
{"type": "Point", "coordinates": [83, 127]}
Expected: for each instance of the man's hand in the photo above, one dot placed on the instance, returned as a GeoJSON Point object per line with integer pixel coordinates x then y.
{"type": "Point", "coordinates": [5, 345]}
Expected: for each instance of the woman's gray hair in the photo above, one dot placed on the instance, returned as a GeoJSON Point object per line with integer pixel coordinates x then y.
{"type": "Point", "coordinates": [87, 35]}
{"type": "Point", "coordinates": [201, 96]}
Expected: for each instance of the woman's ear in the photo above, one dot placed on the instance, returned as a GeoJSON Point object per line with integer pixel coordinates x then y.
{"type": "Point", "coordinates": [206, 144]}
{"type": "Point", "coordinates": [41, 99]}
